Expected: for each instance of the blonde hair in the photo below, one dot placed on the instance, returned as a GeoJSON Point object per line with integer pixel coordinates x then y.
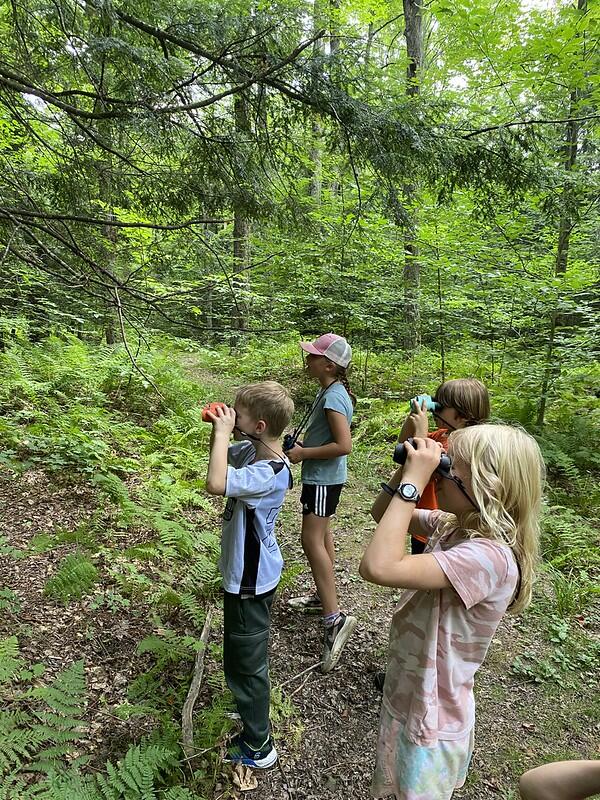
{"type": "Point", "coordinates": [269, 401]}
{"type": "Point", "coordinates": [507, 476]}
{"type": "Point", "coordinates": [468, 396]}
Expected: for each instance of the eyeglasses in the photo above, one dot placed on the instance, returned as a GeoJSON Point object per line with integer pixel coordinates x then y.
{"type": "Point", "coordinates": [460, 485]}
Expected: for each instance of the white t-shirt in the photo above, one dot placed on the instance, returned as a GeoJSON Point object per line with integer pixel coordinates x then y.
{"type": "Point", "coordinates": [251, 561]}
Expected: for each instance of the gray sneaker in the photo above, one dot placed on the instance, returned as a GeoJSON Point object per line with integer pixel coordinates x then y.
{"type": "Point", "coordinates": [336, 636]}
{"type": "Point", "coordinates": [308, 604]}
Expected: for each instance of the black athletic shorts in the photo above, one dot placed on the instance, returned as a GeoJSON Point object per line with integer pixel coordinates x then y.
{"type": "Point", "coordinates": [321, 501]}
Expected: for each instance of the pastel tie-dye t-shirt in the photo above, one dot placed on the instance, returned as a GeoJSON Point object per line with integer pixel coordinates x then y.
{"type": "Point", "coordinates": [439, 638]}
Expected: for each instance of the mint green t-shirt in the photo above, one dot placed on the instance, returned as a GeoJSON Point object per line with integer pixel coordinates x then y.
{"type": "Point", "coordinates": [326, 471]}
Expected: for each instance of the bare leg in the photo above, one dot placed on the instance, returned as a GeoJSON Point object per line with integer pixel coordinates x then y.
{"type": "Point", "coordinates": [562, 780]}
{"type": "Point", "coordinates": [314, 537]}
{"type": "Point", "coordinates": [330, 547]}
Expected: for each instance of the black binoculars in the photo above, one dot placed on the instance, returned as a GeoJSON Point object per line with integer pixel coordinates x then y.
{"type": "Point", "coordinates": [289, 441]}
{"type": "Point", "coordinates": [400, 454]}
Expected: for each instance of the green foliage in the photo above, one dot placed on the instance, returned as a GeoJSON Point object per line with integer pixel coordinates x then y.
{"type": "Point", "coordinates": [568, 539]}
{"type": "Point", "coordinates": [569, 653]}
{"type": "Point", "coordinates": [10, 663]}
{"type": "Point", "coordinates": [573, 591]}
{"type": "Point", "coordinates": [76, 575]}
{"type": "Point", "coordinates": [41, 726]}
{"type": "Point", "coordinates": [41, 731]}
{"type": "Point", "coordinates": [9, 601]}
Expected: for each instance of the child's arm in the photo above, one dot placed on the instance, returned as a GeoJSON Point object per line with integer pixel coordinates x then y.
{"type": "Point", "coordinates": [416, 424]}
{"type": "Point", "coordinates": [384, 498]}
{"type": "Point", "coordinates": [567, 780]}
{"type": "Point", "coordinates": [341, 445]}
{"type": "Point", "coordinates": [385, 560]}
{"type": "Point", "coordinates": [223, 423]}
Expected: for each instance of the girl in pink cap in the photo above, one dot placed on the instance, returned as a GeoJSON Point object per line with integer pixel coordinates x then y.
{"type": "Point", "coordinates": [323, 454]}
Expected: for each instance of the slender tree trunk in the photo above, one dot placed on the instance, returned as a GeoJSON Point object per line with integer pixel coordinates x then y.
{"type": "Point", "coordinates": [109, 232]}
{"type": "Point", "coordinates": [413, 24]}
{"type": "Point", "coordinates": [565, 227]}
{"type": "Point", "coordinates": [106, 178]}
{"type": "Point", "coordinates": [241, 227]}
{"type": "Point", "coordinates": [315, 152]}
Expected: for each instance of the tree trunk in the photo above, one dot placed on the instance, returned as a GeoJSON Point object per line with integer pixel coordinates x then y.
{"type": "Point", "coordinates": [413, 29]}
{"type": "Point", "coordinates": [241, 228]}
{"type": "Point", "coordinates": [318, 51]}
{"type": "Point", "coordinates": [565, 227]}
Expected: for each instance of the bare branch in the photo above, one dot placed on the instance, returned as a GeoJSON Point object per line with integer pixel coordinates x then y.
{"type": "Point", "coordinates": [110, 223]}
{"type": "Point", "coordinates": [134, 363]}
{"type": "Point", "coordinates": [516, 123]}
{"type": "Point", "coordinates": [187, 724]}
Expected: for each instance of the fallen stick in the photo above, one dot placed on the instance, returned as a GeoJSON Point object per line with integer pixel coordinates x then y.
{"type": "Point", "coordinates": [187, 725]}
{"type": "Point", "coordinates": [300, 674]}
{"type": "Point", "coordinates": [299, 688]}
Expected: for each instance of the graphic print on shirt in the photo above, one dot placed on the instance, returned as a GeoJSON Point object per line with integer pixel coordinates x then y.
{"type": "Point", "coordinates": [269, 540]}
{"type": "Point", "coordinates": [229, 508]}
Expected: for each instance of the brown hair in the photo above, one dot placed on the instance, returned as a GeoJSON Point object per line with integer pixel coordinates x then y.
{"type": "Point", "coordinates": [468, 396]}
{"type": "Point", "coordinates": [269, 401]}
{"type": "Point", "coordinates": [341, 373]}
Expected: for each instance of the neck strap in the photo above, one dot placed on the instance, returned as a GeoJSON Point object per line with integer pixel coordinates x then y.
{"type": "Point", "coordinates": [303, 422]}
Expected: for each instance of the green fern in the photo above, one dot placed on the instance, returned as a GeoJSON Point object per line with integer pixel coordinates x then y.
{"type": "Point", "coordinates": [18, 740]}
{"type": "Point", "coordinates": [10, 662]}
{"type": "Point", "coordinates": [60, 722]}
{"type": "Point", "coordinates": [40, 728]}
{"type": "Point", "coordinates": [135, 777]}
{"type": "Point", "coordinates": [177, 793]}
{"type": "Point", "coordinates": [173, 535]}
{"type": "Point", "coordinates": [75, 577]}
{"type": "Point", "coordinates": [136, 774]}
{"type": "Point", "coordinates": [192, 609]}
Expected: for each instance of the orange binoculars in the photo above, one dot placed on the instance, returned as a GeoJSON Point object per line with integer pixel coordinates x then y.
{"type": "Point", "coordinates": [211, 408]}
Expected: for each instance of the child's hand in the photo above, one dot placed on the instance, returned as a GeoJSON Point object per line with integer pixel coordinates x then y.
{"type": "Point", "coordinates": [418, 417]}
{"type": "Point", "coordinates": [421, 461]}
{"type": "Point", "coordinates": [296, 454]}
{"type": "Point", "coordinates": [223, 420]}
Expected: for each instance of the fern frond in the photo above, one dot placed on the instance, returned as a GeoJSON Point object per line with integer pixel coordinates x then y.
{"type": "Point", "coordinates": [66, 694]}
{"type": "Point", "coordinates": [177, 793]}
{"type": "Point", "coordinates": [75, 577]}
{"type": "Point", "coordinates": [136, 774]}
{"type": "Point", "coordinates": [17, 744]}
{"type": "Point", "coordinates": [10, 662]}
{"type": "Point", "coordinates": [193, 609]}
{"type": "Point", "coordinates": [173, 535]}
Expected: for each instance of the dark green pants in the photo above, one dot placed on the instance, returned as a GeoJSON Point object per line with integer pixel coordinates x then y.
{"type": "Point", "coordinates": [246, 661]}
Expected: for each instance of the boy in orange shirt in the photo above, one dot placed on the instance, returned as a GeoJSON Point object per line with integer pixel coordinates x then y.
{"type": "Point", "coordinates": [460, 403]}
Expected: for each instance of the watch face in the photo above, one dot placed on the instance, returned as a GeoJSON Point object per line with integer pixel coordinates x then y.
{"type": "Point", "coordinates": [408, 491]}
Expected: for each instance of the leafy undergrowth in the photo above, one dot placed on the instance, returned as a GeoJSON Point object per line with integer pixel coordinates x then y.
{"type": "Point", "coordinates": [108, 550]}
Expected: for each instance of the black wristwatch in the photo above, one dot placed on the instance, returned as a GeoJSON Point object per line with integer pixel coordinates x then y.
{"type": "Point", "coordinates": [408, 492]}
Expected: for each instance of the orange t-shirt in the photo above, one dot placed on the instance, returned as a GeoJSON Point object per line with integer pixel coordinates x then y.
{"type": "Point", "coordinates": [429, 497]}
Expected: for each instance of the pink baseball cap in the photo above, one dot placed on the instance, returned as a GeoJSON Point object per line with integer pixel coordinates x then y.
{"type": "Point", "coordinates": [332, 346]}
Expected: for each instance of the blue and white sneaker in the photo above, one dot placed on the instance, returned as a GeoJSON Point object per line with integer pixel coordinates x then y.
{"type": "Point", "coordinates": [241, 753]}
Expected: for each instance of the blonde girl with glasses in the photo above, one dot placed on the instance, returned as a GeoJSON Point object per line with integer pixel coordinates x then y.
{"type": "Point", "coordinates": [479, 563]}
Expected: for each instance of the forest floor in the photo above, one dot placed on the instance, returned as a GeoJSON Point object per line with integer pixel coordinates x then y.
{"type": "Point", "coordinates": [326, 725]}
